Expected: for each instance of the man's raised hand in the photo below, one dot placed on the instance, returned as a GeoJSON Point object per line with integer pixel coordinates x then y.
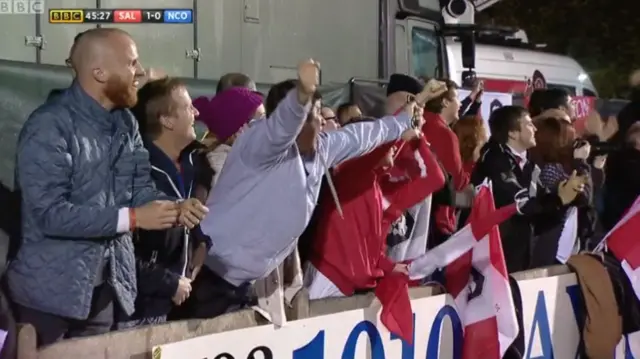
{"type": "Point", "coordinates": [308, 79]}
{"type": "Point", "coordinates": [477, 89]}
{"type": "Point", "coordinates": [431, 90]}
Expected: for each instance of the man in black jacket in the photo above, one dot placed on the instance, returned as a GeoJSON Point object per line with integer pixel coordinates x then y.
{"type": "Point", "coordinates": [514, 178]}
{"type": "Point", "coordinates": [164, 258]}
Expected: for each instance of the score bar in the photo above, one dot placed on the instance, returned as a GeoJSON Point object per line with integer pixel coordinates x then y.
{"type": "Point", "coordinates": [121, 16]}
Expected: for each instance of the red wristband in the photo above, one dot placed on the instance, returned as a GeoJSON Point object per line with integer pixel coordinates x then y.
{"type": "Point", "coordinates": [132, 219]}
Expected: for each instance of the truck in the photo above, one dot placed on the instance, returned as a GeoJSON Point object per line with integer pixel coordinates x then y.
{"type": "Point", "coordinates": [506, 61]}
{"type": "Point", "coordinates": [263, 38]}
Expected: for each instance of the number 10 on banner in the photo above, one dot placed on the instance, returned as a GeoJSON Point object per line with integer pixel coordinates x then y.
{"type": "Point", "coordinates": [336, 346]}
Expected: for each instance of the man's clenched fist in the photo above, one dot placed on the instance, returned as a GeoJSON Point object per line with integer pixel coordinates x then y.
{"type": "Point", "coordinates": [191, 212]}
{"type": "Point", "coordinates": [156, 215]}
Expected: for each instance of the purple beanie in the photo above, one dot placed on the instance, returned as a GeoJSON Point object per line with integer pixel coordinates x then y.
{"type": "Point", "coordinates": [228, 111]}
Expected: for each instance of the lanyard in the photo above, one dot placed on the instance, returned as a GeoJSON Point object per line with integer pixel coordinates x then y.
{"type": "Point", "coordinates": [180, 183]}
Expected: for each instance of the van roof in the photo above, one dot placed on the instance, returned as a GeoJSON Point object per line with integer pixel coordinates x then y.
{"type": "Point", "coordinates": [518, 63]}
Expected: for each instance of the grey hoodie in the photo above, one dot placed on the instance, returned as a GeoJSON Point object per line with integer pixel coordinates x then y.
{"type": "Point", "coordinates": [267, 191]}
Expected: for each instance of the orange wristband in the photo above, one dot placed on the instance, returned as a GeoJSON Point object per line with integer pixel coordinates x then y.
{"type": "Point", "coordinates": [132, 219]}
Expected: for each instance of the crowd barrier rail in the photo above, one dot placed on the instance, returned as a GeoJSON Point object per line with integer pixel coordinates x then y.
{"type": "Point", "coordinates": [139, 343]}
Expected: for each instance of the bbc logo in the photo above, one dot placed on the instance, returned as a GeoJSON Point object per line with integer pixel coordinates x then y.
{"type": "Point", "coordinates": [21, 7]}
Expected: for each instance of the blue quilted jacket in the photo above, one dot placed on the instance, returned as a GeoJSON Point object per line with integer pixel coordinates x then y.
{"type": "Point", "coordinates": [77, 165]}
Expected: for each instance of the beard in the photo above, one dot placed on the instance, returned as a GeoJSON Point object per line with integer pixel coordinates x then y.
{"type": "Point", "coordinates": [121, 93]}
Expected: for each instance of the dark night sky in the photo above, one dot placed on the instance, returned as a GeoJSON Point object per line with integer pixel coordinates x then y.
{"type": "Point", "coordinates": [603, 37]}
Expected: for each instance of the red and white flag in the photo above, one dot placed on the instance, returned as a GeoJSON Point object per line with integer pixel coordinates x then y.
{"type": "Point", "coordinates": [477, 278]}
{"type": "Point", "coordinates": [622, 242]}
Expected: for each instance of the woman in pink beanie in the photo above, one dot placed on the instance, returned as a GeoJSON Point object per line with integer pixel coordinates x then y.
{"type": "Point", "coordinates": [225, 116]}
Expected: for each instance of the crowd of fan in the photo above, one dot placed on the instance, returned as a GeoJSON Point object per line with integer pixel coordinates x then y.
{"type": "Point", "coordinates": [129, 220]}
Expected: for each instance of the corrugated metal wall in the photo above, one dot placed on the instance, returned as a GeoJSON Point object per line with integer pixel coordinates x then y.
{"type": "Point", "coordinates": [263, 38]}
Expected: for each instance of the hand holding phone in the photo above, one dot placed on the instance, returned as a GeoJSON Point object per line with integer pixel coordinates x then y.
{"type": "Point", "coordinates": [477, 89]}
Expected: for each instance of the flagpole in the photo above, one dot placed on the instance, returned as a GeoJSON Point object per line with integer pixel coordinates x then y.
{"type": "Point", "coordinates": [601, 246]}
{"type": "Point", "coordinates": [332, 187]}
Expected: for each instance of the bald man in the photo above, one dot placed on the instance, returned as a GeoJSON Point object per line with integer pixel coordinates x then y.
{"type": "Point", "coordinates": [84, 177]}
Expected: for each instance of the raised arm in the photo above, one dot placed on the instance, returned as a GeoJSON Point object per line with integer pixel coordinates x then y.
{"type": "Point", "coordinates": [359, 138]}
{"type": "Point", "coordinates": [266, 140]}
{"type": "Point", "coordinates": [269, 138]}
{"type": "Point", "coordinates": [362, 137]}
{"type": "Point", "coordinates": [473, 109]}
{"type": "Point", "coordinates": [471, 104]}
{"type": "Point", "coordinates": [44, 169]}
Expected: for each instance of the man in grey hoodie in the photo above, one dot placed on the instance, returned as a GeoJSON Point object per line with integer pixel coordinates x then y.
{"type": "Point", "coordinates": [269, 185]}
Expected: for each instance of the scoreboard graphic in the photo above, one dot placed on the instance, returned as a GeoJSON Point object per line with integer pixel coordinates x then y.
{"type": "Point", "coordinates": [121, 16]}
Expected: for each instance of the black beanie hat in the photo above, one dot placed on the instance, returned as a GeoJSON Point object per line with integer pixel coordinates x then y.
{"type": "Point", "coordinates": [406, 83]}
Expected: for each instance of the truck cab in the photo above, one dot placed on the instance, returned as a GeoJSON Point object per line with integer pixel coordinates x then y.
{"type": "Point", "coordinates": [416, 44]}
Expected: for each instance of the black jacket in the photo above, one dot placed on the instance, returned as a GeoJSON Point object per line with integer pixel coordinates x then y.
{"type": "Point", "coordinates": [622, 186]}
{"type": "Point", "coordinates": [163, 256]}
{"type": "Point", "coordinates": [508, 181]}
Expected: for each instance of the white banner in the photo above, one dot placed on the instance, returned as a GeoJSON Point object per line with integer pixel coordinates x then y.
{"type": "Point", "coordinates": [490, 102]}
{"type": "Point", "coordinates": [550, 309]}
{"type": "Point", "coordinates": [353, 334]}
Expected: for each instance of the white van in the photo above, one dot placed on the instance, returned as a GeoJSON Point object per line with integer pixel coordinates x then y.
{"type": "Point", "coordinates": [510, 69]}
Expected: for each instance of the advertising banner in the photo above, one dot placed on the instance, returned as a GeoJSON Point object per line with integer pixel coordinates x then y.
{"type": "Point", "coordinates": [550, 309]}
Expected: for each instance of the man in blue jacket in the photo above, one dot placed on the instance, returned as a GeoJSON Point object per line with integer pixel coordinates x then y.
{"type": "Point", "coordinates": [83, 174]}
